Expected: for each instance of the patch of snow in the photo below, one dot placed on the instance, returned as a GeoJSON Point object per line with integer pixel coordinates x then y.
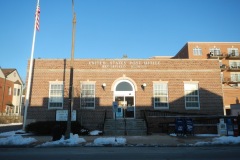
{"type": "Point", "coordinates": [10, 124]}
{"type": "Point", "coordinates": [95, 133]}
{"type": "Point", "coordinates": [173, 134]}
{"type": "Point", "coordinates": [109, 141]}
{"type": "Point", "coordinates": [206, 135]}
{"type": "Point", "coordinates": [12, 133]}
{"type": "Point", "coordinates": [74, 140]}
{"type": "Point", "coordinates": [16, 140]}
{"type": "Point", "coordinates": [220, 141]}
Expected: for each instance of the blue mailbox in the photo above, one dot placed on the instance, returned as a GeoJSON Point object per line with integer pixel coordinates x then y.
{"type": "Point", "coordinates": [189, 128]}
{"type": "Point", "coordinates": [179, 126]}
{"type": "Point", "coordinates": [229, 127]}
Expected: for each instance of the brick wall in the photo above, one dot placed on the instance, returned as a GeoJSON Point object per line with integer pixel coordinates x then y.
{"type": "Point", "coordinates": [5, 98]}
{"type": "Point", "coordinates": [140, 71]}
{"type": "Point", "coordinates": [230, 92]}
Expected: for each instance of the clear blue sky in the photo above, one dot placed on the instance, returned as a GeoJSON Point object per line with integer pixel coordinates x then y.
{"type": "Point", "coordinates": [112, 28]}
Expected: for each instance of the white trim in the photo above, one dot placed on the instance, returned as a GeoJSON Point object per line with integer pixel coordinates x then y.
{"type": "Point", "coordinates": [159, 83]}
{"type": "Point", "coordinates": [125, 93]}
{"type": "Point", "coordinates": [191, 108]}
{"type": "Point", "coordinates": [49, 95]}
{"type": "Point", "coordinates": [94, 96]}
{"type": "Point", "coordinates": [124, 79]}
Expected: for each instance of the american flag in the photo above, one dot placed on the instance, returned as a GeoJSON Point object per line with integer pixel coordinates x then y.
{"type": "Point", "coordinates": [37, 17]}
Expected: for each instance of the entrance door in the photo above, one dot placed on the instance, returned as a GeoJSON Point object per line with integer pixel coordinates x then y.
{"type": "Point", "coordinates": [125, 96]}
{"type": "Point", "coordinates": [125, 107]}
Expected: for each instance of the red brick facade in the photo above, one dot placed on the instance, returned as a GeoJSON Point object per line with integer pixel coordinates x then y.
{"type": "Point", "coordinates": [231, 88]}
{"type": "Point", "coordinates": [10, 83]}
{"type": "Point", "coordinates": [138, 71]}
{"type": "Point", "coordinates": [5, 97]}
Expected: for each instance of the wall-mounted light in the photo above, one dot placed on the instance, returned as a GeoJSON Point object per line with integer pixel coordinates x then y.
{"type": "Point", "coordinates": [144, 86]}
{"type": "Point", "coordinates": [104, 86]}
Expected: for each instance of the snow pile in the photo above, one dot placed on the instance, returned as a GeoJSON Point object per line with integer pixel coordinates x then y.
{"type": "Point", "coordinates": [220, 141]}
{"type": "Point", "coordinates": [95, 133]}
{"type": "Point", "coordinates": [115, 141]}
{"type": "Point", "coordinates": [74, 140]}
{"type": "Point", "coordinates": [16, 140]}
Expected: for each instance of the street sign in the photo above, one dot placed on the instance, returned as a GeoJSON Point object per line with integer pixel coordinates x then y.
{"type": "Point", "coordinates": [62, 115]}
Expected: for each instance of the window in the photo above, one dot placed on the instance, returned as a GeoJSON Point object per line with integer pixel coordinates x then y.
{"type": "Point", "coordinates": [87, 95]}
{"type": "Point", "coordinates": [197, 51]}
{"type": "Point", "coordinates": [222, 77]}
{"type": "Point", "coordinates": [235, 77]}
{"type": "Point", "coordinates": [124, 86]}
{"type": "Point", "coordinates": [55, 95]}
{"type": "Point", "coordinates": [17, 109]}
{"type": "Point", "coordinates": [9, 91]}
{"type": "Point", "coordinates": [15, 91]}
{"type": "Point", "coordinates": [18, 92]}
{"type": "Point", "coordinates": [215, 51]}
{"type": "Point", "coordinates": [160, 93]}
{"type": "Point", "coordinates": [191, 95]}
{"type": "Point", "coordinates": [234, 64]}
{"type": "Point", "coordinates": [233, 52]}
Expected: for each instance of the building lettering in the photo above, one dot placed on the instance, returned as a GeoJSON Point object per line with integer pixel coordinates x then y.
{"type": "Point", "coordinates": [123, 64]}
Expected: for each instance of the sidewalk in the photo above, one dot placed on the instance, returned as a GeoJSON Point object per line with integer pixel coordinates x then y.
{"type": "Point", "coordinates": [161, 140]}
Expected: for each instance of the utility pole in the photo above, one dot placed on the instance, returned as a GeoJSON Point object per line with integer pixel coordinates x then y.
{"type": "Point", "coordinates": [70, 99]}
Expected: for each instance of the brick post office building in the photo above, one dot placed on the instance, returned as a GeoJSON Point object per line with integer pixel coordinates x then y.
{"type": "Point", "coordinates": [157, 84]}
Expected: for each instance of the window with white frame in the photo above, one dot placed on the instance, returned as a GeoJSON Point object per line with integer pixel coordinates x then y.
{"type": "Point", "coordinates": [197, 51]}
{"type": "Point", "coordinates": [87, 95]}
{"type": "Point", "coordinates": [9, 91]}
{"type": "Point", "coordinates": [215, 51]}
{"type": "Point", "coordinates": [233, 52]}
{"type": "Point", "coordinates": [56, 90]}
{"type": "Point", "coordinates": [18, 92]}
{"type": "Point", "coordinates": [222, 77]}
{"type": "Point", "coordinates": [235, 77]}
{"type": "Point", "coordinates": [234, 64]}
{"type": "Point", "coordinates": [160, 94]}
{"type": "Point", "coordinates": [15, 91]}
{"type": "Point", "coordinates": [191, 93]}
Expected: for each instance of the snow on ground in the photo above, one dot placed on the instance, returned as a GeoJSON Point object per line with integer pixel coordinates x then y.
{"type": "Point", "coordinates": [95, 133]}
{"type": "Point", "coordinates": [11, 138]}
{"type": "Point", "coordinates": [115, 141]}
{"type": "Point", "coordinates": [197, 135]}
{"type": "Point", "coordinates": [220, 141]}
{"type": "Point", "coordinates": [74, 140]}
{"type": "Point", "coordinates": [10, 124]}
{"type": "Point", "coordinates": [15, 138]}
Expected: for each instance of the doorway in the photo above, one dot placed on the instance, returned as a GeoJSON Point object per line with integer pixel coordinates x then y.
{"type": "Point", "coordinates": [124, 95]}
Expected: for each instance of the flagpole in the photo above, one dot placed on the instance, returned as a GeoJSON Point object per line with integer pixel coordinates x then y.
{"type": "Point", "coordinates": [70, 100]}
{"type": "Point", "coordinates": [30, 69]}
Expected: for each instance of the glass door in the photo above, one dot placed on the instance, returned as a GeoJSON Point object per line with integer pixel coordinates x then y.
{"type": "Point", "coordinates": [125, 107]}
{"type": "Point", "coordinates": [129, 109]}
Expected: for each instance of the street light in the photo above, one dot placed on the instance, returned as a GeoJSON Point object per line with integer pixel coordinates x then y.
{"type": "Point", "coordinates": [70, 101]}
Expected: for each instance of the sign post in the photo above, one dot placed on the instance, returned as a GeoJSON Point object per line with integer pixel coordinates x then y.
{"type": "Point", "coordinates": [115, 108]}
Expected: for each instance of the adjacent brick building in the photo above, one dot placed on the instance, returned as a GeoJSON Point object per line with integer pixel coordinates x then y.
{"type": "Point", "coordinates": [11, 87]}
{"type": "Point", "coordinates": [229, 62]}
{"type": "Point", "coordinates": [174, 85]}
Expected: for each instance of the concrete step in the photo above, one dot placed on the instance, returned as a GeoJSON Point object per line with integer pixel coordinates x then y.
{"type": "Point", "coordinates": [125, 127]}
